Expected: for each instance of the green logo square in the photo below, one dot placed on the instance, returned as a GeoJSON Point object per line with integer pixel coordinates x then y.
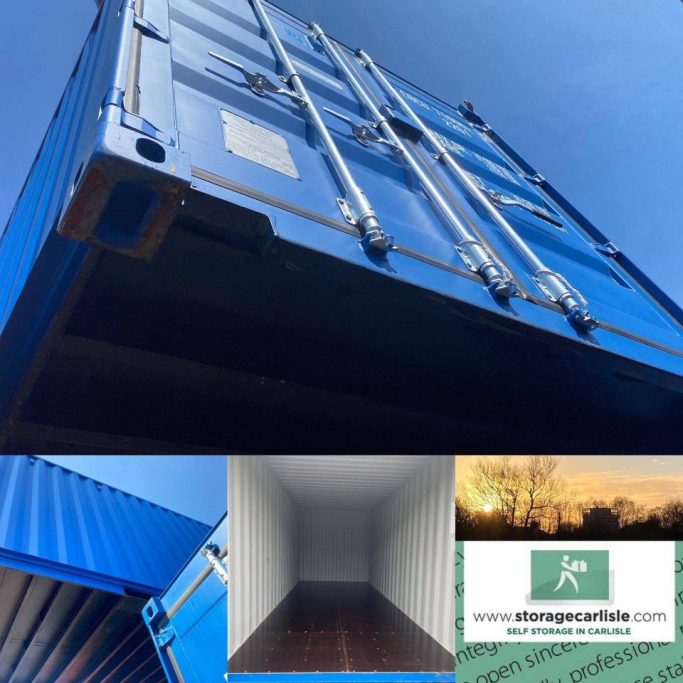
{"type": "Point", "coordinates": [570, 575]}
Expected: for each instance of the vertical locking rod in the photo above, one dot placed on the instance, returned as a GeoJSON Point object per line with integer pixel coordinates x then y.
{"type": "Point", "coordinates": [551, 284]}
{"type": "Point", "coordinates": [214, 557]}
{"type": "Point", "coordinates": [361, 210]}
{"type": "Point", "coordinates": [472, 251]}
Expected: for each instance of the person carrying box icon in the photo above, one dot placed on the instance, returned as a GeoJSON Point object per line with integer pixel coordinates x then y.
{"type": "Point", "coordinates": [577, 566]}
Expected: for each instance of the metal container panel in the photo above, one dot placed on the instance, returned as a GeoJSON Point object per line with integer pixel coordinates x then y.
{"type": "Point", "coordinates": [62, 525]}
{"type": "Point", "coordinates": [60, 631]}
{"type": "Point", "coordinates": [347, 482]}
{"type": "Point", "coordinates": [51, 178]}
{"type": "Point", "coordinates": [263, 523]}
{"type": "Point", "coordinates": [147, 157]}
{"type": "Point", "coordinates": [413, 563]}
{"type": "Point", "coordinates": [204, 88]}
{"type": "Point", "coordinates": [334, 545]}
{"type": "Point", "coordinates": [388, 522]}
{"type": "Point", "coordinates": [188, 622]}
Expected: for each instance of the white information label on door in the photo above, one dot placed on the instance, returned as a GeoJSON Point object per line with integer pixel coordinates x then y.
{"type": "Point", "coordinates": [258, 144]}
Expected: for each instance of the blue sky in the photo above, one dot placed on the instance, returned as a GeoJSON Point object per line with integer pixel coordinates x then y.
{"type": "Point", "coordinates": [590, 92]}
{"type": "Point", "coordinates": [193, 485]}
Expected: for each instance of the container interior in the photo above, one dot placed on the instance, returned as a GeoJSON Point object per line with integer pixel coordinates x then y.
{"type": "Point", "coordinates": [341, 564]}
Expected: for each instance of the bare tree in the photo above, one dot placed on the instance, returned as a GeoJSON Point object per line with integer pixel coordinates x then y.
{"type": "Point", "coordinates": [521, 493]}
{"type": "Point", "coordinates": [672, 514]}
{"type": "Point", "coordinates": [497, 482]}
{"type": "Point", "coordinates": [465, 519]}
{"type": "Point", "coordinates": [541, 487]}
{"type": "Point", "coordinates": [515, 498]}
{"type": "Point", "coordinates": [564, 513]}
{"type": "Point", "coordinates": [627, 510]}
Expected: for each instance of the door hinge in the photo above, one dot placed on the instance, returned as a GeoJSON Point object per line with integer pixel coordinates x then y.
{"type": "Point", "coordinates": [135, 122]}
{"type": "Point", "coordinates": [114, 97]}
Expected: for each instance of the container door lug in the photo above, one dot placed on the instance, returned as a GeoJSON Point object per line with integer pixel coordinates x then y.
{"type": "Point", "coordinates": [558, 290]}
{"type": "Point", "coordinates": [374, 239]}
{"type": "Point", "coordinates": [478, 259]}
{"type": "Point", "coordinates": [582, 319]}
{"type": "Point", "coordinates": [377, 241]}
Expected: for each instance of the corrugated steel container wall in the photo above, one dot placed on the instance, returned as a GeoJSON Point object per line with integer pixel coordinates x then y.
{"type": "Point", "coordinates": [189, 621]}
{"type": "Point", "coordinates": [66, 526]}
{"type": "Point", "coordinates": [334, 545]}
{"type": "Point", "coordinates": [50, 180]}
{"type": "Point", "coordinates": [343, 482]}
{"type": "Point", "coordinates": [405, 535]}
{"type": "Point", "coordinates": [59, 631]}
{"type": "Point", "coordinates": [263, 524]}
{"type": "Point", "coordinates": [412, 557]}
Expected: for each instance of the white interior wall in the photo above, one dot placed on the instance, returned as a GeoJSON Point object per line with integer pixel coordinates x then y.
{"type": "Point", "coordinates": [412, 561]}
{"type": "Point", "coordinates": [334, 545]}
{"type": "Point", "coordinates": [402, 545]}
{"type": "Point", "coordinates": [263, 533]}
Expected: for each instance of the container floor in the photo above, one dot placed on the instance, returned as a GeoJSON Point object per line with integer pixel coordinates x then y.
{"type": "Point", "coordinates": [334, 626]}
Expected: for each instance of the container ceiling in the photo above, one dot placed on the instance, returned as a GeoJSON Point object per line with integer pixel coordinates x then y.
{"type": "Point", "coordinates": [344, 482]}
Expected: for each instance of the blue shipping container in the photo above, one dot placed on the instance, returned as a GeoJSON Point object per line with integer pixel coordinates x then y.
{"type": "Point", "coordinates": [189, 621]}
{"type": "Point", "coordinates": [234, 219]}
{"type": "Point", "coordinates": [78, 560]}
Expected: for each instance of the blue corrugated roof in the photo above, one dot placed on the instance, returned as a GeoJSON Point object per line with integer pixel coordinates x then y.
{"type": "Point", "coordinates": [60, 524]}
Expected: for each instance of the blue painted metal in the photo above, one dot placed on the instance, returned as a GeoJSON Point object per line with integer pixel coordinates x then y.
{"type": "Point", "coordinates": [193, 643]}
{"type": "Point", "coordinates": [356, 677]}
{"type": "Point", "coordinates": [135, 163]}
{"type": "Point", "coordinates": [201, 88]}
{"type": "Point", "coordinates": [60, 524]}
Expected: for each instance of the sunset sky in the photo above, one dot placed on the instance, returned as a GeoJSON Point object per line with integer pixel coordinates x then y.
{"type": "Point", "coordinates": [649, 480]}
